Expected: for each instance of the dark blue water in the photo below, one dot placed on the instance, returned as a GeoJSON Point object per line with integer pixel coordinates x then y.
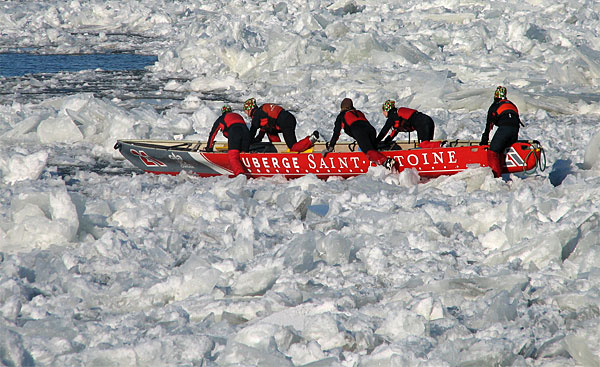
{"type": "Point", "coordinates": [19, 64]}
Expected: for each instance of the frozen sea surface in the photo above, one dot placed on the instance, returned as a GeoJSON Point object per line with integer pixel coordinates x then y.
{"type": "Point", "coordinates": [101, 264]}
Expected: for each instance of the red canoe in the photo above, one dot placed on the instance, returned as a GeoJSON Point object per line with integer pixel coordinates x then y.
{"type": "Point", "coordinates": [174, 156]}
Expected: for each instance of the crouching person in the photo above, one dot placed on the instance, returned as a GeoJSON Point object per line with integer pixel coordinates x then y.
{"type": "Point", "coordinates": [236, 131]}
{"type": "Point", "coordinates": [405, 119]}
{"type": "Point", "coordinates": [357, 126]}
{"type": "Point", "coordinates": [272, 119]}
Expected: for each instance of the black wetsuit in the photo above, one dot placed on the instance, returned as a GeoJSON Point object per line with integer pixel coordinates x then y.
{"type": "Point", "coordinates": [357, 126]}
{"type": "Point", "coordinates": [234, 129]}
{"type": "Point", "coordinates": [272, 120]}
{"type": "Point", "coordinates": [505, 115]}
{"type": "Point", "coordinates": [407, 120]}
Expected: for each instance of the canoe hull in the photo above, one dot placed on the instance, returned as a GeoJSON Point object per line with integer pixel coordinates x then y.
{"type": "Point", "coordinates": [170, 157]}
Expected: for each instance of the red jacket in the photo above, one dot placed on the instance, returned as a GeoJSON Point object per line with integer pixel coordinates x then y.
{"type": "Point", "coordinates": [224, 122]}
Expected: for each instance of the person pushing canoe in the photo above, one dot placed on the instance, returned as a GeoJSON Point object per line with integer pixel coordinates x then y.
{"type": "Point", "coordinates": [357, 126]}
{"type": "Point", "coordinates": [403, 119]}
{"type": "Point", "coordinates": [272, 119]}
{"type": "Point", "coordinates": [505, 115]}
{"type": "Point", "coordinates": [238, 137]}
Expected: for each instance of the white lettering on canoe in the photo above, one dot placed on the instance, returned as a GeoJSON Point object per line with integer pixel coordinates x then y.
{"type": "Point", "coordinates": [317, 162]}
{"type": "Point", "coordinates": [452, 156]}
{"type": "Point", "coordinates": [412, 159]}
{"type": "Point", "coordinates": [399, 160]}
{"type": "Point", "coordinates": [265, 162]}
{"type": "Point", "coordinates": [311, 161]}
{"type": "Point", "coordinates": [323, 164]}
{"type": "Point", "coordinates": [275, 163]}
{"type": "Point", "coordinates": [416, 160]}
{"type": "Point", "coordinates": [343, 162]}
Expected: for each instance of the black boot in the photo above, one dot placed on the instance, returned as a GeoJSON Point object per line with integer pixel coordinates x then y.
{"type": "Point", "coordinates": [314, 137]}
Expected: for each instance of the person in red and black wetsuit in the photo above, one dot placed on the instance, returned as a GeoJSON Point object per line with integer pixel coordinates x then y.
{"type": "Point", "coordinates": [405, 120]}
{"type": "Point", "coordinates": [238, 137]}
{"type": "Point", "coordinates": [272, 120]}
{"type": "Point", "coordinates": [357, 126]}
{"type": "Point", "coordinates": [505, 115]}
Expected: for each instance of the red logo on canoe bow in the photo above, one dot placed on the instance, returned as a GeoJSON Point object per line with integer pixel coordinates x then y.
{"type": "Point", "coordinates": [146, 159]}
{"type": "Point", "coordinates": [513, 158]}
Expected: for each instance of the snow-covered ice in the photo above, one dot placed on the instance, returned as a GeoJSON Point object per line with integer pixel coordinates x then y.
{"type": "Point", "coordinates": [103, 265]}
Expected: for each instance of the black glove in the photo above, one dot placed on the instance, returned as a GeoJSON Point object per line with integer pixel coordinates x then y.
{"type": "Point", "coordinates": [484, 139]}
{"type": "Point", "coordinates": [328, 149]}
{"type": "Point", "coordinates": [388, 139]}
{"type": "Point", "coordinates": [208, 149]}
